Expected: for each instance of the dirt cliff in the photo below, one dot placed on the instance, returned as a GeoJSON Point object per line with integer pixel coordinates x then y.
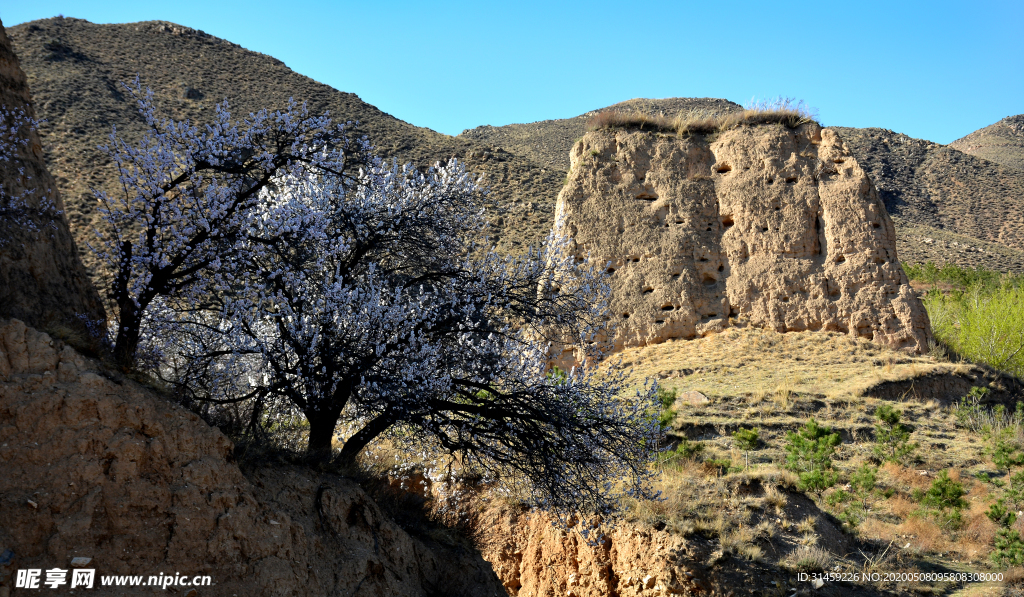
{"type": "Point", "coordinates": [42, 280]}
{"type": "Point", "coordinates": [762, 226]}
{"type": "Point", "coordinates": [534, 558]}
{"type": "Point", "coordinates": [103, 468]}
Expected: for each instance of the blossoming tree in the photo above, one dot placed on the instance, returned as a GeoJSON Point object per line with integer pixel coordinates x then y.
{"type": "Point", "coordinates": [358, 293]}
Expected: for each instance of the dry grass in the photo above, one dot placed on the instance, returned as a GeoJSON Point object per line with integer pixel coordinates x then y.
{"type": "Point", "coordinates": [907, 478]}
{"type": "Point", "coordinates": [740, 541]}
{"type": "Point", "coordinates": [767, 366]}
{"type": "Point", "coordinates": [807, 526]}
{"type": "Point", "coordinates": [784, 111]}
{"type": "Point", "coordinates": [809, 559]}
{"type": "Point", "coordinates": [924, 535]}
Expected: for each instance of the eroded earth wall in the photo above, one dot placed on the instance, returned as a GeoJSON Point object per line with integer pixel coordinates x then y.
{"type": "Point", "coordinates": [99, 467]}
{"type": "Point", "coordinates": [42, 280]}
{"type": "Point", "coordinates": [766, 226]}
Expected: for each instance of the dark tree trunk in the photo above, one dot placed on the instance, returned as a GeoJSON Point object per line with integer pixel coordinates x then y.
{"type": "Point", "coordinates": [127, 342]}
{"type": "Point", "coordinates": [129, 316]}
{"type": "Point", "coordinates": [357, 442]}
{"type": "Point", "coordinates": [321, 434]}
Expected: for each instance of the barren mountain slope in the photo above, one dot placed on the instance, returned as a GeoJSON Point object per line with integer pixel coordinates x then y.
{"type": "Point", "coordinates": [929, 186]}
{"type": "Point", "coordinates": [548, 142]}
{"type": "Point", "coordinates": [75, 70]}
{"type": "Point", "coordinates": [1002, 142]}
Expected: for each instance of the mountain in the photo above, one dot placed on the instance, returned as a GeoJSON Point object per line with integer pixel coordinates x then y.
{"type": "Point", "coordinates": [1002, 142]}
{"type": "Point", "coordinates": [947, 205]}
{"type": "Point", "coordinates": [76, 69]}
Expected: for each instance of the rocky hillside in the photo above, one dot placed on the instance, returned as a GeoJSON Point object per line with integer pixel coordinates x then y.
{"type": "Point", "coordinates": [779, 228]}
{"type": "Point", "coordinates": [41, 277]}
{"type": "Point", "coordinates": [935, 191]}
{"type": "Point", "coordinates": [1002, 142]}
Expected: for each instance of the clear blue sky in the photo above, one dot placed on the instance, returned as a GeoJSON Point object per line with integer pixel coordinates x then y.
{"type": "Point", "coordinates": [936, 70]}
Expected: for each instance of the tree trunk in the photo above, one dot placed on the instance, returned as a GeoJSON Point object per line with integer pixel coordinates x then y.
{"type": "Point", "coordinates": [129, 316]}
{"type": "Point", "coordinates": [357, 442]}
{"type": "Point", "coordinates": [127, 342]}
{"type": "Point", "coordinates": [321, 434]}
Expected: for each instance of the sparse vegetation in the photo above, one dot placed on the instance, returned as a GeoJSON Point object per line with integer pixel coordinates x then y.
{"type": "Point", "coordinates": [810, 453]}
{"type": "Point", "coordinates": [892, 438]}
{"type": "Point", "coordinates": [785, 111]}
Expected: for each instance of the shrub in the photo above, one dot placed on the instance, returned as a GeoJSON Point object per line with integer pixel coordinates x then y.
{"type": "Point", "coordinates": [969, 412]}
{"type": "Point", "coordinates": [999, 514]}
{"type": "Point", "coordinates": [1016, 489]}
{"type": "Point", "coordinates": [863, 482]}
{"type": "Point", "coordinates": [892, 438]}
{"type": "Point", "coordinates": [1005, 448]}
{"type": "Point", "coordinates": [957, 276]}
{"type": "Point", "coordinates": [688, 450]}
{"type": "Point", "coordinates": [666, 397]}
{"type": "Point", "coordinates": [746, 440]}
{"type": "Point", "coordinates": [809, 454]}
{"type": "Point", "coordinates": [982, 323]}
{"type": "Point", "coordinates": [1009, 549]}
{"type": "Point", "coordinates": [809, 559]}
{"type": "Point", "coordinates": [945, 499]}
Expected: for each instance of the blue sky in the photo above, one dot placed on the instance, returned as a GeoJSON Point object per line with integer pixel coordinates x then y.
{"type": "Point", "coordinates": [935, 70]}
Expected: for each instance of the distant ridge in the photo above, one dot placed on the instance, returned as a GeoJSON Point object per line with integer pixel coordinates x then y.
{"type": "Point", "coordinates": [1002, 142]}
{"type": "Point", "coordinates": [947, 205]}
{"type": "Point", "coordinates": [547, 142]}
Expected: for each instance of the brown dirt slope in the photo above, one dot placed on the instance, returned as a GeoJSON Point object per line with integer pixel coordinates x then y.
{"type": "Point", "coordinates": [75, 69]}
{"type": "Point", "coordinates": [106, 469]}
{"type": "Point", "coordinates": [935, 191]}
{"type": "Point", "coordinates": [1002, 142]}
{"type": "Point", "coordinates": [41, 278]}
{"type": "Point", "coordinates": [548, 142]}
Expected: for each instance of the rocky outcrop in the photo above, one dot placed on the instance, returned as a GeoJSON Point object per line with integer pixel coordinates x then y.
{"type": "Point", "coordinates": [766, 226]}
{"type": "Point", "coordinates": [42, 280]}
{"type": "Point", "coordinates": [102, 468]}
